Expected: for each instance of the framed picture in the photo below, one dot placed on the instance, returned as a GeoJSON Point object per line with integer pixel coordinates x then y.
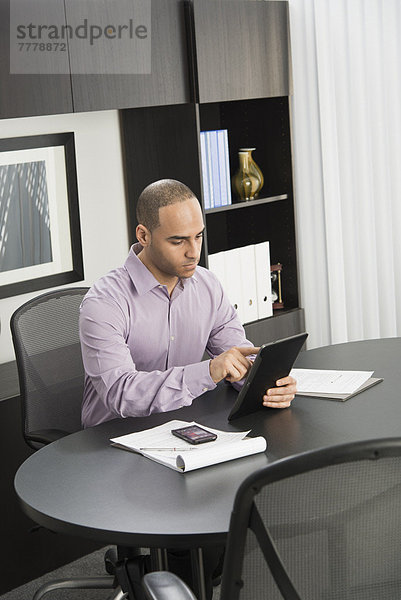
{"type": "Point", "coordinates": [40, 233]}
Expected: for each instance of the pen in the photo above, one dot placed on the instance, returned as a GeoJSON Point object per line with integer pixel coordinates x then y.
{"type": "Point", "coordinates": [175, 449]}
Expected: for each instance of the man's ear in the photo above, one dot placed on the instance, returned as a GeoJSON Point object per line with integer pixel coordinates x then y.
{"type": "Point", "coordinates": [143, 235]}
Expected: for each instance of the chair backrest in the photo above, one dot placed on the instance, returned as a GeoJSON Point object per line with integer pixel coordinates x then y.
{"type": "Point", "coordinates": [45, 332]}
{"type": "Point", "coordinates": [322, 525]}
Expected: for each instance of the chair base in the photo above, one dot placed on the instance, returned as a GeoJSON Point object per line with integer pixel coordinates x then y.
{"type": "Point", "coordinates": [118, 594]}
{"type": "Point", "coordinates": [78, 583]}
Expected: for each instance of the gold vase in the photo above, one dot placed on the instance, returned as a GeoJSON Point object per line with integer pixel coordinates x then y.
{"type": "Point", "coordinates": [254, 168]}
{"type": "Point", "coordinates": [248, 180]}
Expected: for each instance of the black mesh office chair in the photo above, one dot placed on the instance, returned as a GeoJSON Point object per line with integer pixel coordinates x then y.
{"type": "Point", "coordinates": [45, 334]}
{"type": "Point", "coordinates": [324, 525]}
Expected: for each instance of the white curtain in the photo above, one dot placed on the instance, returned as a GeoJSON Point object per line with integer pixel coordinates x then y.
{"type": "Point", "coordinates": [346, 112]}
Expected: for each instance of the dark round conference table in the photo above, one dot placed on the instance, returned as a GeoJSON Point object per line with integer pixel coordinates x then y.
{"type": "Point", "coordinates": [81, 485]}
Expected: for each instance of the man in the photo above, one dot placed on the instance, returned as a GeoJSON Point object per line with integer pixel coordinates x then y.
{"type": "Point", "coordinates": [145, 326]}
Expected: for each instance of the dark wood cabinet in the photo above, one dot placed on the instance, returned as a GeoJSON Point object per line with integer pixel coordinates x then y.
{"type": "Point", "coordinates": [31, 94]}
{"type": "Point", "coordinates": [164, 142]}
{"type": "Point", "coordinates": [241, 49]}
{"type": "Point", "coordinates": [71, 83]}
{"type": "Point", "coordinates": [234, 49]}
{"type": "Point", "coordinates": [168, 81]}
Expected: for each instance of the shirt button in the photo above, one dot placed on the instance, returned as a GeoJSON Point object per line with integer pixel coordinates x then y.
{"type": "Point", "coordinates": [204, 389]}
{"type": "Point", "coordinates": [172, 337]}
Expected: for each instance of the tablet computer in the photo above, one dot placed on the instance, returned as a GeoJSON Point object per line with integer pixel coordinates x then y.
{"type": "Point", "coordinates": [273, 361]}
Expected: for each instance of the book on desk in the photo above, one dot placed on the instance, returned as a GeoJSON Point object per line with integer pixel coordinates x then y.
{"type": "Point", "coordinates": [160, 445]}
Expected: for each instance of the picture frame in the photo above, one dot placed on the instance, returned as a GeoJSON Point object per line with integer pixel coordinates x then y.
{"type": "Point", "coordinates": [40, 231]}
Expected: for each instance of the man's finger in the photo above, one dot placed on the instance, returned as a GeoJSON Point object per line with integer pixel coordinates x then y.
{"type": "Point", "coordinates": [281, 391]}
{"type": "Point", "coordinates": [238, 369]}
{"type": "Point", "coordinates": [246, 350]}
{"type": "Point", "coordinates": [289, 380]}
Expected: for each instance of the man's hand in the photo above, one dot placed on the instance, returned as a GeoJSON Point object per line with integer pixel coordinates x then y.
{"type": "Point", "coordinates": [232, 365]}
{"type": "Point", "coordinates": [282, 395]}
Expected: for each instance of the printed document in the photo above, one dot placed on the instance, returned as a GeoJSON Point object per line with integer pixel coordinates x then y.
{"type": "Point", "coordinates": [326, 382]}
{"type": "Point", "coordinates": [334, 385]}
{"type": "Point", "coordinates": [160, 445]}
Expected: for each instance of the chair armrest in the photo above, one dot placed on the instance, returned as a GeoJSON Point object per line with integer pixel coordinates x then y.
{"type": "Point", "coordinates": [163, 585]}
{"type": "Point", "coordinates": [45, 436]}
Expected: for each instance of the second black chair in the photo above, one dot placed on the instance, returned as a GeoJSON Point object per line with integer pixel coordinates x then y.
{"type": "Point", "coordinates": [324, 525]}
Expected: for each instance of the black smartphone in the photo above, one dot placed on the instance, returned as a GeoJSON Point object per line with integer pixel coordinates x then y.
{"type": "Point", "coordinates": [194, 434]}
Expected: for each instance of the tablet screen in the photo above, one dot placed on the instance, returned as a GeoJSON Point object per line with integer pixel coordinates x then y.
{"type": "Point", "coordinates": [273, 361]}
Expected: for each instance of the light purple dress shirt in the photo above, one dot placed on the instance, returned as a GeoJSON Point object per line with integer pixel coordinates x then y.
{"type": "Point", "coordinates": [142, 349]}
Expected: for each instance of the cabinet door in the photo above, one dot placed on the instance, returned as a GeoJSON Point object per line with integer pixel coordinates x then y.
{"type": "Point", "coordinates": [28, 93]}
{"type": "Point", "coordinates": [242, 49]}
{"type": "Point", "coordinates": [167, 81]}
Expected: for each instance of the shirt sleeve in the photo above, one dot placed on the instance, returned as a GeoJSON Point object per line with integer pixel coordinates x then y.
{"type": "Point", "coordinates": [115, 387]}
{"type": "Point", "coordinates": [227, 331]}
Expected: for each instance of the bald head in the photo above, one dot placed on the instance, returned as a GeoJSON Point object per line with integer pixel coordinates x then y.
{"type": "Point", "coordinates": [156, 195]}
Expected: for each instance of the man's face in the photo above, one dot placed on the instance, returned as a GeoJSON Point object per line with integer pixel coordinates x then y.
{"type": "Point", "coordinates": [175, 246]}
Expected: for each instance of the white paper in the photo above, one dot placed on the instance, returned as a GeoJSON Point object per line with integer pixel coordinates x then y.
{"type": "Point", "coordinates": [329, 381]}
{"type": "Point", "coordinates": [228, 445]}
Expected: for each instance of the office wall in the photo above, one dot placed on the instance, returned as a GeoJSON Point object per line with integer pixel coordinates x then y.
{"type": "Point", "coordinates": [102, 200]}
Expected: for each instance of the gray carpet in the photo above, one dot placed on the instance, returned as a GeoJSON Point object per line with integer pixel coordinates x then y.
{"type": "Point", "coordinates": [88, 566]}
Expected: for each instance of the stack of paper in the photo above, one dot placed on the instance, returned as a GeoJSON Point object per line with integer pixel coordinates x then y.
{"type": "Point", "coordinates": [338, 385]}
{"type": "Point", "coordinates": [160, 445]}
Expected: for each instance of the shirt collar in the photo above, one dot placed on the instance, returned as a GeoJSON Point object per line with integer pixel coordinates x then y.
{"type": "Point", "coordinates": [141, 277]}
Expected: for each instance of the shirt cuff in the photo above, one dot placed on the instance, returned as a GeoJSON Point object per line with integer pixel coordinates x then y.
{"type": "Point", "coordinates": [197, 378]}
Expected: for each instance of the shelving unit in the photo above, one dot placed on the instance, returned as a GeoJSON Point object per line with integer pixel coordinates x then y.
{"type": "Point", "coordinates": [164, 141]}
